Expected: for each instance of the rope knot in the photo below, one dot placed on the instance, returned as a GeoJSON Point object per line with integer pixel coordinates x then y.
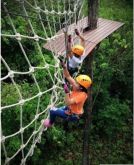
{"type": "Point", "coordinates": [46, 11]}
{"type": "Point", "coordinates": [36, 117]}
{"type": "Point", "coordinates": [70, 12]}
{"type": "Point", "coordinates": [7, 160]}
{"type": "Point", "coordinates": [3, 139]}
{"type": "Point", "coordinates": [36, 37]}
{"type": "Point", "coordinates": [22, 146]}
{"type": "Point", "coordinates": [38, 9]}
{"type": "Point", "coordinates": [18, 36]}
{"type": "Point", "coordinates": [23, 161]}
{"type": "Point", "coordinates": [35, 132]}
{"type": "Point", "coordinates": [31, 69]}
{"type": "Point", "coordinates": [21, 102]}
{"type": "Point", "coordinates": [65, 12]}
{"type": "Point", "coordinates": [59, 13]}
{"type": "Point", "coordinates": [40, 94]}
{"type": "Point", "coordinates": [47, 66]}
{"type": "Point", "coordinates": [52, 12]}
{"type": "Point", "coordinates": [21, 130]}
{"type": "Point", "coordinates": [11, 74]}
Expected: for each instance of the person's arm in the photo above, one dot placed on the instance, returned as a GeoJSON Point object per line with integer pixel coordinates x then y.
{"type": "Point", "coordinates": [82, 40]}
{"type": "Point", "coordinates": [69, 54]}
{"type": "Point", "coordinates": [68, 100]}
{"type": "Point", "coordinates": [69, 78]}
{"type": "Point", "coordinates": [83, 56]}
{"type": "Point", "coordinates": [81, 37]}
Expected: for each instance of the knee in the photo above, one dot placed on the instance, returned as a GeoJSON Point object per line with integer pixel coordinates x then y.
{"type": "Point", "coordinates": [53, 110]}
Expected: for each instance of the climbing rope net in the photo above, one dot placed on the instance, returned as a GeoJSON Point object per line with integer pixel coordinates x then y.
{"type": "Point", "coordinates": [31, 87]}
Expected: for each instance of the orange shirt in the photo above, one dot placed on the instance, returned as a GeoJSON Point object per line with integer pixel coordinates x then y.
{"type": "Point", "coordinates": [80, 98]}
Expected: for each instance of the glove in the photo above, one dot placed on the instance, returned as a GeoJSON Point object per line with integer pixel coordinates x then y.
{"type": "Point", "coordinates": [69, 38]}
{"type": "Point", "coordinates": [66, 89]}
{"type": "Point", "coordinates": [77, 32]}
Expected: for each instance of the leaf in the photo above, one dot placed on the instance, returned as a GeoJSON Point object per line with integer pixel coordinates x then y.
{"type": "Point", "coordinates": [104, 65]}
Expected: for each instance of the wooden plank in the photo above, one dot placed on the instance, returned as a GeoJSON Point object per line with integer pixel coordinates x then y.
{"type": "Point", "coordinates": [100, 34]}
{"type": "Point", "coordinates": [59, 43]}
{"type": "Point", "coordinates": [92, 37]}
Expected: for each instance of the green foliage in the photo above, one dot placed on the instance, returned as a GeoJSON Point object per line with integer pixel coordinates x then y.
{"type": "Point", "coordinates": [111, 129]}
{"type": "Point", "coordinates": [113, 118]}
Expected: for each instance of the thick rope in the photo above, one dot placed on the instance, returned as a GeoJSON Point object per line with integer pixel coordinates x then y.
{"type": "Point", "coordinates": [56, 80]}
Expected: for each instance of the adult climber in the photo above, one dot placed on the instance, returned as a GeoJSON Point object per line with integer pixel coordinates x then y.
{"type": "Point", "coordinates": [74, 100]}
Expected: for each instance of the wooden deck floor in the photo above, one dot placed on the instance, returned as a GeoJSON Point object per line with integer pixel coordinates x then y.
{"type": "Point", "coordinates": [104, 29]}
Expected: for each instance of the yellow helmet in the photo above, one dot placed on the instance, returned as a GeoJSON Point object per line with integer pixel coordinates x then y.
{"type": "Point", "coordinates": [84, 80]}
{"type": "Point", "coordinates": [78, 49]}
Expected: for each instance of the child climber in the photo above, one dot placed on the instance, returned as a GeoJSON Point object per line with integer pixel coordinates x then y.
{"type": "Point", "coordinates": [76, 54]}
{"type": "Point", "coordinates": [74, 100]}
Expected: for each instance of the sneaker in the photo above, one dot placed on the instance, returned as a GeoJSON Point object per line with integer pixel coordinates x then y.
{"type": "Point", "coordinates": [47, 123]}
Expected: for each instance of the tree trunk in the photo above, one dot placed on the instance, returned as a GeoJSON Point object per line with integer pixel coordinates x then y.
{"type": "Point", "coordinates": [88, 110]}
{"type": "Point", "coordinates": [92, 24]}
{"type": "Point", "coordinates": [92, 14]}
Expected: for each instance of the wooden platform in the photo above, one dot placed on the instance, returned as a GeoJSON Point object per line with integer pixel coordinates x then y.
{"type": "Point", "coordinates": [104, 29]}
